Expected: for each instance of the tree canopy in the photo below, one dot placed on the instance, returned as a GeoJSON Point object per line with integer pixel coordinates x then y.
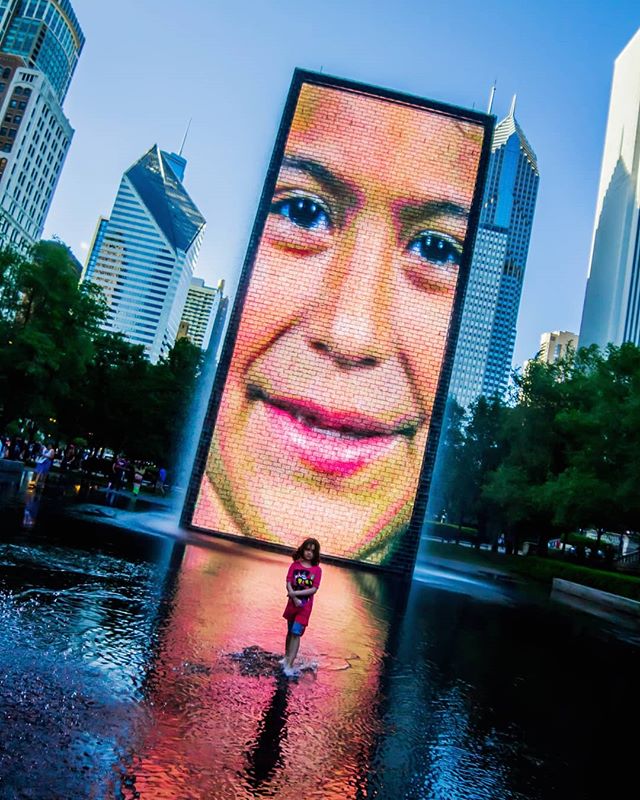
{"type": "Point", "coordinates": [564, 456]}
{"type": "Point", "coordinates": [62, 375]}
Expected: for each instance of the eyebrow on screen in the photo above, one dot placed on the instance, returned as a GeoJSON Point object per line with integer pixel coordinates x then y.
{"type": "Point", "coordinates": [323, 175]}
{"type": "Point", "coordinates": [412, 213]}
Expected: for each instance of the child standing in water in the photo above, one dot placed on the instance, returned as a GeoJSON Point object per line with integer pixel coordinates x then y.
{"type": "Point", "coordinates": [303, 581]}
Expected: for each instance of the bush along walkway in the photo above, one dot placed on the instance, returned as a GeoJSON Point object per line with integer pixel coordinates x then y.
{"type": "Point", "coordinates": [543, 570]}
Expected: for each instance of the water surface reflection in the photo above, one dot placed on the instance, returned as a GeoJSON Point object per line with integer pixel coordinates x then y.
{"type": "Point", "coordinates": [242, 729]}
{"type": "Point", "coordinates": [138, 666]}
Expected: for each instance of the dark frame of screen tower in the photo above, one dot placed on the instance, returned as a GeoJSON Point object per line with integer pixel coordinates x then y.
{"type": "Point", "coordinates": [412, 535]}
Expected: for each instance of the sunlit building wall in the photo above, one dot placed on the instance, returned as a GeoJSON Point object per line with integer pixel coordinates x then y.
{"type": "Point", "coordinates": [34, 140]}
{"type": "Point", "coordinates": [40, 43]}
{"type": "Point", "coordinates": [96, 246]}
{"type": "Point", "coordinates": [488, 329]}
{"type": "Point", "coordinates": [200, 311]}
{"type": "Point", "coordinates": [144, 255]}
{"type": "Point", "coordinates": [555, 345]}
{"type": "Point", "coordinates": [611, 310]}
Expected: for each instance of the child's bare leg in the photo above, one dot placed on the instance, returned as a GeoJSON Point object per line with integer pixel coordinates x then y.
{"type": "Point", "coordinates": [286, 644]}
{"type": "Point", "coordinates": [292, 649]}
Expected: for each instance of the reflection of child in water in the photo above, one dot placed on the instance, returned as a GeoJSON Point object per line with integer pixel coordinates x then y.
{"type": "Point", "coordinates": [303, 581]}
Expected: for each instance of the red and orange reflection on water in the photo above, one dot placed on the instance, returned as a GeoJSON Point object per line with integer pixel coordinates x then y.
{"type": "Point", "coordinates": [217, 730]}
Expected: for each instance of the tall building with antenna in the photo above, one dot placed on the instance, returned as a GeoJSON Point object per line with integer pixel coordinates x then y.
{"type": "Point", "coordinates": [143, 256]}
{"type": "Point", "coordinates": [487, 335]}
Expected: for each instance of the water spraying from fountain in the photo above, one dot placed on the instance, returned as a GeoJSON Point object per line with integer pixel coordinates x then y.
{"type": "Point", "coordinates": [197, 411]}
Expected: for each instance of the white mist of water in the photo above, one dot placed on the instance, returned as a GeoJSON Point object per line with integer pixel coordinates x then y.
{"type": "Point", "coordinates": [191, 433]}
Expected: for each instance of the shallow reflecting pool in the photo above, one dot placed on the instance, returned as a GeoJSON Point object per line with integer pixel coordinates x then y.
{"type": "Point", "coordinates": [142, 666]}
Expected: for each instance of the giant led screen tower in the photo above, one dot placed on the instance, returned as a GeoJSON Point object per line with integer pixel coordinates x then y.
{"type": "Point", "coordinates": [327, 405]}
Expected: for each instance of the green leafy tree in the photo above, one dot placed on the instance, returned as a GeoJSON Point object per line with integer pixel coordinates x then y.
{"type": "Point", "coordinates": [480, 454]}
{"type": "Point", "coordinates": [112, 395]}
{"type": "Point", "coordinates": [600, 428]}
{"type": "Point", "coordinates": [47, 328]}
{"type": "Point", "coordinates": [127, 404]}
{"type": "Point", "coordinates": [173, 382]}
{"type": "Point", "coordinates": [59, 371]}
{"type": "Point", "coordinates": [530, 452]}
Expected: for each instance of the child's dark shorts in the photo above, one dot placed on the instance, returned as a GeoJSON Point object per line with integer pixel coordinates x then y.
{"type": "Point", "coordinates": [296, 628]}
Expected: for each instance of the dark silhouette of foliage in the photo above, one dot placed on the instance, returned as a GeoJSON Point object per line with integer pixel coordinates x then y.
{"type": "Point", "coordinates": [64, 376]}
{"type": "Point", "coordinates": [565, 456]}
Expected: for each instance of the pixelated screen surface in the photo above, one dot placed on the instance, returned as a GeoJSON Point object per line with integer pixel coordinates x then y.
{"type": "Point", "coordinates": [349, 290]}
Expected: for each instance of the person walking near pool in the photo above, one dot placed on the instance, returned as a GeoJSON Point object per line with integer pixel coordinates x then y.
{"type": "Point", "coordinates": [138, 477]}
{"type": "Point", "coordinates": [161, 481]}
{"type": "Point", "coordinates": [303, 581]}
{"type": "Point", "coordinates": [43, 463]}
{"type": "Point", "coordinates": [119, 469]}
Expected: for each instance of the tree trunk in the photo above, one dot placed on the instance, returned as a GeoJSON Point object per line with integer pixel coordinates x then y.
{"type": "Point", "coordinates": [542, 545]}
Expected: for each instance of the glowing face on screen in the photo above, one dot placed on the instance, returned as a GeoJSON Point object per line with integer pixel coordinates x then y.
{"type": "Point", "coordinates": [324, 417]}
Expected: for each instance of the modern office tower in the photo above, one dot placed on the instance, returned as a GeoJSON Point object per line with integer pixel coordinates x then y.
{"type": "Point", "coordinates": [611, 311]}
{"type": "Point", "coordinates": [143, 256]}
{"type": "Point", "coordinates": [555, 345]}
{"type": "Point", "coordinates": [40, 43]}
{"type": "Point", "coordinates": [34, 139]}
{"type": "Point", "coordinates": [487, 335]}
{"type": "Point", "coordinates": [200, 310]}
{"type": "Point", "coordinates": [46, 35]}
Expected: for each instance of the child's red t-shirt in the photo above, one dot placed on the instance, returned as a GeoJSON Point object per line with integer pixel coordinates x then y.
{"type": "Point", "coordinates": [301, 578]}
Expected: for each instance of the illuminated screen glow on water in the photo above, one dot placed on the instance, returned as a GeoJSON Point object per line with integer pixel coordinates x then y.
{"type": "Point", "coordinates": [144, 668]}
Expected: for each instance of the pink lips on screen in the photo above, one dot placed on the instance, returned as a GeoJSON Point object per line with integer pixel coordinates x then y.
{"type": "Point", "coordinates": [333, 442]}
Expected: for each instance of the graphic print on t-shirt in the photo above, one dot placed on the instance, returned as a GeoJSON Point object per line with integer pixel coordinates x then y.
{"type": "Point", "coordinates": [302, 579]}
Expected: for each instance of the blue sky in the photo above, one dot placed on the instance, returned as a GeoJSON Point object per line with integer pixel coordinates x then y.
{"type": "Point", "coordinates": [150, 65]}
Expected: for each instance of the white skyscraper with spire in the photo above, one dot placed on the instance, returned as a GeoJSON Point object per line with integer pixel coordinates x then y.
{"type": "Point", "coordinates": [611, 310]}
{"type": "Point", "coordinates": [144, 255]}
{"type": "Point", "coordinates": [488, 329]}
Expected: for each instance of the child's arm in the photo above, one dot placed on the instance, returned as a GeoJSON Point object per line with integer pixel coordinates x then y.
{"type": "Point", "coordinates": [293, 595]}
{"type": "Point", "coordinates": [303, 592]}
{"type": "Point", "coordinates": [287, 581]}
{"type": "Point", "coordinates": [312, 590]}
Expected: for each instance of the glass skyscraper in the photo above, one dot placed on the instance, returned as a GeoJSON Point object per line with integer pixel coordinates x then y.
{"type": "Point", "coordinates": [611, 310]}
{"type": "Point", "coordinates": [144, 255]}
{"type": "Point", "coordinates": [46, 34]}
{"type": "Point", "coordinates": [487, 336]}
